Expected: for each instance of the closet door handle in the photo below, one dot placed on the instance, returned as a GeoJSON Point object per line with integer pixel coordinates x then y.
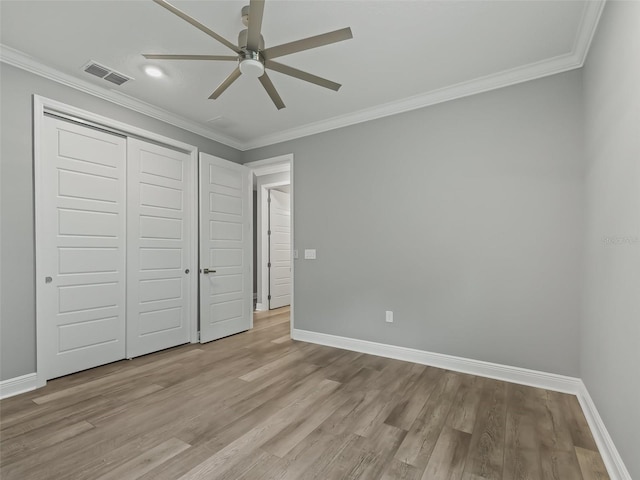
{"type": "Point", "coordinates": [207, 271]}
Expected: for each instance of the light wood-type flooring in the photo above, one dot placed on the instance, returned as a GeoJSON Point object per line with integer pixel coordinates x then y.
{"type": "Point", "coordinates": [260, 406]}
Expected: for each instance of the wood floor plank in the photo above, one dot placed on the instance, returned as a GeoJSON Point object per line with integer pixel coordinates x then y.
{"type": "Point", "coordinates": [591, 464]}
{"type": "Point", "coordinates": [522, 452]}
{"type": "Point", "coordinates": [365, 458]}
{"type": "Point", "coordinates": [559, 465]}
{"type": "Point", "coordinates": [218, 463]}
{"type": "Point", "coordinates": [178, 465]}
{"type": "Point", "coordinates": [462, 415]}
{"type": "Point", "coordinates": [150, 459]}
{"type": "Point", "coordinates": [38, 439]}
{"type": "Point", "coordinates": [260, 406]}
{"type": "Point", "coordinates": [276, 365]}
{"type": "Point", "coordinates": [553, 425]}
{"type": "Point", "coordinates": [384, 444]}
{"type": "Point", "coordinates": [425, 431]}
{"type": "Point", "coordinates": [413, 399]}
{"type": "Point", "coordinates": [282, 339]}
{"type": "Point", "coordinates": [486, 455]}
{"type": "Point", "coordinates": [350, 462]}
{"type": "Point", "coordinates": [312, 455]}
{"type": "Point", "coordinates": [397, 470]}
{"type": "Point", "coordinates": [580, 432]}
{"type": "Point", "coordinates": [267, 468]}
{"type": "Point", "coordinates": [449, 455]}
{"type": "Point", "coordinates": [86, 410]}
{"type": "Point", "coordinates": [283, 442]}
{"type": "Point", "coordinates": [103, 384]}
{"type": "Point", "coordinates": [242, 465]}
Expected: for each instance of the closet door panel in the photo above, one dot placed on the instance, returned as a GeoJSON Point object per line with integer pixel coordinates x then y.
{"type": "Point", "coordinates": [81, 247]}
{"type": "Point", "coordinates": [158, 248]}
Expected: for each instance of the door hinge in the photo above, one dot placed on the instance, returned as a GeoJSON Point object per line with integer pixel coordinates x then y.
{"type": "Point", "coordinates": [269, 265]}
{"type": "Point", "coordinates": [268, 232]}
{"type": "Point", "coordinates": [269, 297]}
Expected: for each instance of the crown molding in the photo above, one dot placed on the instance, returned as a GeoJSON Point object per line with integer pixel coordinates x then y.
{"type": "Point", "coordinates": [18, 59]}
{"type": "Point", "coordinates": [454, 92]}
{"type": "Point", "coordinates": [563, 63]}
{"type": "Point", "coordinates": [588, 24]}
{"type": "Point", "coordinates": [572, 60]}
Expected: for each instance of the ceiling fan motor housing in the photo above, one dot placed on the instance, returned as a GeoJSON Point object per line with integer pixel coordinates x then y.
{"type": "Point", "coordinates": [242, 39]}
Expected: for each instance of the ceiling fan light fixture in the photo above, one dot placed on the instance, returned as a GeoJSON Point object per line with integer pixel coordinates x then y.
{"type": "Point", "coordinates": [252, 68]}
{"type": "Point", "coordinates": [251, 65]}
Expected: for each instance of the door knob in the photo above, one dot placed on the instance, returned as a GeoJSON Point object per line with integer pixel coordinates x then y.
{"type": "Point", "coordinates": [206, 271]}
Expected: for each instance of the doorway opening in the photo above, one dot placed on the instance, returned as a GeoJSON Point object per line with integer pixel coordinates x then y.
{"type": "Point", "coordinates": [273, 206]}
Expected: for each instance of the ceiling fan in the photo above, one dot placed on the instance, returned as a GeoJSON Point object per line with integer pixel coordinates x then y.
{"type": "Point", "coordinates": [251, 55]}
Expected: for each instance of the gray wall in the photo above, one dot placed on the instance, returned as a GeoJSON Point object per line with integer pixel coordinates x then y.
{"type": "Point", "coordinates": [17, 295]}
{"type": "Point", "coordinates": [610, 333]}
{"type": "Point", "coordinates": [464, 218]}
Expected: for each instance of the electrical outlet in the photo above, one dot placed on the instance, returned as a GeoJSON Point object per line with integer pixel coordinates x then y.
{"type": "Point", "coordinates": [388, 316]}
{"type": "Point", "coordinates": [295, 254]}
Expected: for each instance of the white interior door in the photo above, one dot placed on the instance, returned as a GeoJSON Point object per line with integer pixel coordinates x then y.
{"type": "Point", "coordinates": [158, 247]}
{"type": "Point", "coordinates": [226, 293]}
{"type": "Point", "coordinates": [81, 247]}
{"type": "Point", "coordinates": [279, 249]}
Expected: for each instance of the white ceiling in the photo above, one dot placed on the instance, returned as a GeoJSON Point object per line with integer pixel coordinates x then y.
{"type": "Point", "coordinates": [404, 54]}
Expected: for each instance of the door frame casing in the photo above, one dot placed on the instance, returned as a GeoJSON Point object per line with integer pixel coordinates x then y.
{"type": "Point", "coordinates": [40, 106]}
{"type": "Point", "coordinates": [281, 163]}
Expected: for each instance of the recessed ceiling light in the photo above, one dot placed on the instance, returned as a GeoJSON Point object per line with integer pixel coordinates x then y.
{"type": "Point", "coordinates": [153, 71]}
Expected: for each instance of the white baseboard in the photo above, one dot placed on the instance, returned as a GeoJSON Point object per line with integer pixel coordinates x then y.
{"type": "Point", "coordinates": [523, 376]}
{"type": "Point", "coordinates": [612, 460]}
{"type": "Point", "coordinates": [17, 385]}
{"type": "Point", "coordinates": [261, 307]}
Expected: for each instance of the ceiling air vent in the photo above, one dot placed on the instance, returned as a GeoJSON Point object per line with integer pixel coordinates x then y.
{"type": "Point", "coordinates": [105, 73]}
{"type": "Point", "coordinates": [116, 78]}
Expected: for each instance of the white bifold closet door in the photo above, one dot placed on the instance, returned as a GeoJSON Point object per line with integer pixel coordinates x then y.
{"type": "Point", "coordinates": [81, 247]}
{"type": "Point", "coordinates": [158, 248]}
{"type": "Point", "coordinates": [113, 246]}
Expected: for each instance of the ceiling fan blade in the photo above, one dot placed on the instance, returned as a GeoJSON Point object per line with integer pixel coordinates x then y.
{"type": "Point", "coordinates": [256, 8]}
{"type": "Point", "coordinates": [307, 77]}
{"type": "Point", "coordinates": [153, 56]}
{"type": "Point", "coordinates": [197, 24]}
{"type": "Point", "coordinates": [308, 43]}
{"type": "Point", "coordinates": [271, 90]}
{"type": "Point", "coordinates": [225, 84]}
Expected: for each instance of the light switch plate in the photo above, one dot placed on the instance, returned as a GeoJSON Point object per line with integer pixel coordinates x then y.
{"type": "Point", "coordinates": [295, 254]}
{"type": "Point", "coordinates": [310, 254]}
